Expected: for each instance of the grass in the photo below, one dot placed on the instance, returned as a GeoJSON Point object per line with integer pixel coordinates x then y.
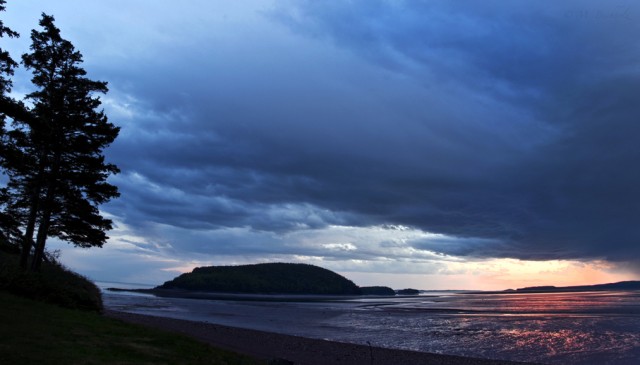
{"type": "Point", "coordinates": [34, 332]}
{"type": "Point", "coordinates": [52, 317]}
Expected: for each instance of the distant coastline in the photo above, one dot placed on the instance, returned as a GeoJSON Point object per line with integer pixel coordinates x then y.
{"type": "Point", "coordinates": [285, 297]}
{"type": "Point", "coordinates": [622, 285]}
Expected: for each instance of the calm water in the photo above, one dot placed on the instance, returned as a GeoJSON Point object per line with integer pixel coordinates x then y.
{"type": "Point", "coordinates": [557, 328]}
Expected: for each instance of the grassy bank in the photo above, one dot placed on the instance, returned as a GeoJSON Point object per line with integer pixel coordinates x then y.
{"type": "Point", "coordinates": [53, 284]}
{"type": "Point", "coordinates": [38, 333]}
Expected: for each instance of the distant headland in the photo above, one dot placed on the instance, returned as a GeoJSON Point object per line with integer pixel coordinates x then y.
{"type": "Point", "coordinates": [622, 285]}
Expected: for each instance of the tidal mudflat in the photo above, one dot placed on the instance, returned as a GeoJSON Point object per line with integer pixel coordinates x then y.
{"type": "Point", "coordinates": [554, 328]}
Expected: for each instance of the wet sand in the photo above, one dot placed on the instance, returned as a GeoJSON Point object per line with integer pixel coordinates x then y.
{"type": "Point", "coordinates": [293, 349]}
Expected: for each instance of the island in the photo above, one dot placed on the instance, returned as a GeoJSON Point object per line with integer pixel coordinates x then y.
{"type": "Point", "coordinates": [266, 278]}
{"type": "Point", "coordinates": [377, 290]}
{"type": "Point", "coordinates": [408, 291]}
{"type": "Point", "coordinates": [265, 282]}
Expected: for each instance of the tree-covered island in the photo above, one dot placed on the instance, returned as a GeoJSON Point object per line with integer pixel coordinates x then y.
{"type": "Point", "coordinates": [269, 278]}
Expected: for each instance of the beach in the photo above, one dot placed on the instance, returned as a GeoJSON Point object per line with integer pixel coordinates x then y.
{"type": "Point", "coordinates": [286, 349]}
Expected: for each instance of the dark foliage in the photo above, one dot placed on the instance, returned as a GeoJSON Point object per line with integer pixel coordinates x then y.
{"type": "Point", "coordinates": [53, 284]}
{"type": "Point", "coordinates": [56, 171]}
{"type": "Point", "coordinates": [273, 278]}
{"type": "Point", "coordinates": [377, 290]}
{"type": "Point", "coordinates": [408, 292]}
{"type": "Point", "coordinates": [58, 174]}
{"type": "Point", "coordinates": [9, 108]}
{"type": "Point", "coordinates": [8, 247]}
{"type": "Point", "coordinates": [7, 64]}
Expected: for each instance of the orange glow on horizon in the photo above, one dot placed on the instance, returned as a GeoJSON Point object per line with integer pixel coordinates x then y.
{"type": "Point", "coordinates": [499, 274]}
{"type": "Point", "coordinates": [510, 273]}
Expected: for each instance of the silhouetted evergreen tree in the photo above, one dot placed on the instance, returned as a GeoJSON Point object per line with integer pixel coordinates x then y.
{"type": "Point", "coordinates": [8, 223]}
{"type": "Point", "coordinates": [7, 64]}
{"type": "Point", "coordinates": [62, 177]}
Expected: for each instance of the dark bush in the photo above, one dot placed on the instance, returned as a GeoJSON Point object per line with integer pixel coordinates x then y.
{"type": "Point", "coordinates": [377, 290]}
{"type": "Point", "coordinates": [53, 284]}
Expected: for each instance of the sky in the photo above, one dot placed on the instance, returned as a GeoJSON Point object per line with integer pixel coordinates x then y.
{"type": "Point", "coordinates": [426, 144]}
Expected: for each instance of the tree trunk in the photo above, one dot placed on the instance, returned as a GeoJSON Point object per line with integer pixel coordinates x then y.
{"type": "Point", "coordinates": [45, 219]}
{"type": "Point", "coordinates": [27, 241]}
{"type": "Point", "coordinates": [41, 239]}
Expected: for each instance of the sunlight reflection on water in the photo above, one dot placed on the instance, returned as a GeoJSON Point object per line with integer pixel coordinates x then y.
{"type": "Point", "coordinates": [562, 328]}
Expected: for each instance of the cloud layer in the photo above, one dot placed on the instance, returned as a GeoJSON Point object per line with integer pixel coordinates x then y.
{"type": "Point", "coordinates": [503, 130]}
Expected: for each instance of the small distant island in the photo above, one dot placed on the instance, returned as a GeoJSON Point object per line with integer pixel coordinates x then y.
{"type": "Point", "coordinates": [377, 290]}
{"type": "Point", "coordinates": [408, 292]}
{"type": "Point", "coordinates": [270, 278]}
{"type": "Point", "coordinates": [622, 285]}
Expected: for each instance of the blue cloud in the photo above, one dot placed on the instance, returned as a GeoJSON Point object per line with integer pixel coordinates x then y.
{"type": "Point", "coordinates": [507, 127]}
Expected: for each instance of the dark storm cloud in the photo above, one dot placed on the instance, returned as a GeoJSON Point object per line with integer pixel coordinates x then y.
{"type": "Point", "coordinates": [508, 126]}
{"type": "Point", "coordinates": [572, 67]}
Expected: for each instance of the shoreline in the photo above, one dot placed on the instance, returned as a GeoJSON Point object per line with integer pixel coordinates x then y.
{"type": "Point", "coordinates": [294, 349]}
{"type": "Point", "coordinates": [256, 297]}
